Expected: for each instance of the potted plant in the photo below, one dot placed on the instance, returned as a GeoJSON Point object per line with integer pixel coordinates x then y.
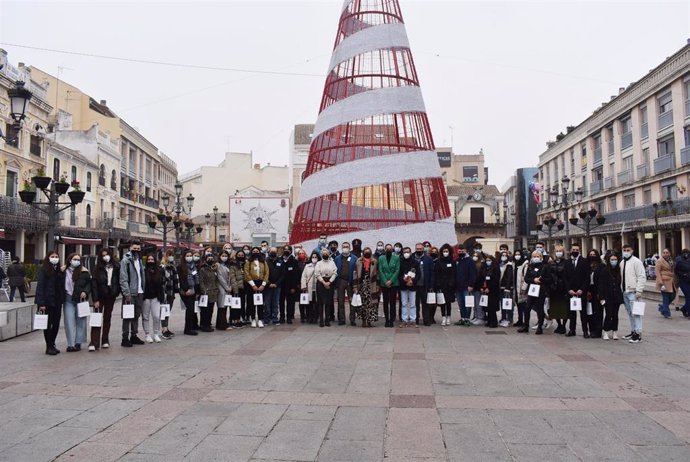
{"type": "Point", "coordinates": [76, 195]}
{"type": "Point", "coordinates": [582, 214]}
{"type": "Point", "coordinates": [601, 219]}
{"type": "Point", "coordinates": [573, 220]}
{"type": "Point", "coordinates": [62, 185]}
{"type": "Point", "coordinates": [40, 179]}
{"type": "Point", "coordinates": [28, 192]}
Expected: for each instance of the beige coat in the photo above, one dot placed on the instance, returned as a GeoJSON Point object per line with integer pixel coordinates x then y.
{"type": "Point", "coordinates": [665, 276]}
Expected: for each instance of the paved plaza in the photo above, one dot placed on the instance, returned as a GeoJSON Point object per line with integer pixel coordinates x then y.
{"type": "Point", "coordinates": [304, 393]}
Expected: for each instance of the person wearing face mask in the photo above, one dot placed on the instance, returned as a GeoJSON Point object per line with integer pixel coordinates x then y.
{"type": "Point", "coordinates": [264, 248]}
{"type": "Point", "coordinates": [365, 284]}
{"type": "Point", "coordinates": [682, 271]}
{"type": "Point", "coordinates": [256, 276]}
{"type": "Point", "coordinates": [189, 288]}
{"type": "Point", "coordinates": [633, 279]}
{"type": "Point", "coordinates": [345, 265]}
{"type": "Point", "coordinates": [276, 276]}
{"type": "Point", "coordinates": [537, 273]}
{"type": "Point", "coordinates": [465, 278]}
{"type": "Point", "coordinates": [424, 283]}
{"type": "Point", "coordinates": [520, 265]}
{"type": "Point", "coordinates": [321, 244]}
{"type": "Point", "coordinates": [105, 287]}
{"type": "Point", "coordinates": [491, 287]}
{"type": "Point", "coordinates": [208, 285]}
{"type": "Point", "coordinates": [427, 247]}
{"type": "Point", "coordinates": [224, 288]}
{"type": "Point", "coordinates": [237, 288]}
{"type": "Point", "coordinates": [247, 250]}
{"type": "Point", "coordinates": [665, 282]}
{"type": "Point", "coordinates": [333, 249]}
{"type": "Point", "coordinates": [77, 289]}
{"type": "Point", "coordinates": [397, 248]}
{"type": "Point", "coordinates": [579, 271]}
{"type": "Point", "coordinates": [172, 287]}
{"type": "Point", "coordinates": [609, 293]}
{"type": "Point", "coordinates": [507, 287]}
{"type": "Point", "coordinates": [409, 271]}
{"type": "Point", "coordinates": [50, 295]}
{"type": "Point", "coordinates": [593, 322]}
{"type": "Point", "coordinates": [445, 281]}
{"type": "Point", "coordinates": [289, 292]}
{"type": "Point", "coordinates": [325, 273]}
{"type": "Point", "coordinates": [132, 286]}
{"type": "Point", "coordinates": [559, 301]}
{"type": "Point", "coordinates": [154, 295]}
{"type": "Point", "coordinates": [389, 272]}
{"type": "Point", "coordinates": [308, 286]}
{"type": "Point", "coordinates": [301, 264]}
{"type": "Point", "coordinates": [380, 250]}
{"type": "Point", "coordinates": [479, 312]}
{"type": "Point", "coordinates": [357, 247]}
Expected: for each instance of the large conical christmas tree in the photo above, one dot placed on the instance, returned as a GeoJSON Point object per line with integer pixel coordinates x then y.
{"type": "Point", "coordinates": [372, 172]}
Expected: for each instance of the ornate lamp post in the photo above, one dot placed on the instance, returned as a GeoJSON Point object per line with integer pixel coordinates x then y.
{"type": "Point", "coordinates": [19, 102]}
{"type": "Point", "coordinates": [178, 209]}
{"type": "Point", "coordinates": [587, 217]}
{"type": "Point", "coordinates": [215, 224]}
{"type": "Point", "coordinates": [165, 220]}
{"type": "Point", "coordinates": [551, 224]}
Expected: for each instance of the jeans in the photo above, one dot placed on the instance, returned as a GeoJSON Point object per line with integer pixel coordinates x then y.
{"type": "Point", "coordinates": [635, 319]}
{"type": "Point", "coordinates": [271, 308]}
{"type": "Point", "coordinates": [464, 311]}
{"type": "Point", "coordinates": [21, 293]}
{"type": "Point", "coordinates": [75, 327]}
{"type": "Point", "coordinates": [407, 298]}
{"type": "Point", "coordinates": [478, 310]}
{"type": "Point", "coordinates": [151, 309]}
{"type": "Point", "coordinates": [343, 287]}
{"type": "Point", "coordinates": [666, 299]}
{"type": "Point", "coordinates": [685, 287]}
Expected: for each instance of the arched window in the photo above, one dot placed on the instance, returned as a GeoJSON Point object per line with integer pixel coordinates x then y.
{"type": "Point", "coordinates": [88, 181]}
{"type": "Point", "coordinates": [113, 180]}
{"type": "Point", "coordinates": [56, 169]}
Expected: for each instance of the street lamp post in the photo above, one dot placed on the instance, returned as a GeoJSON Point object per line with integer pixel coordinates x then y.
{"type": "Point", "coordinates": [215, 224]}
{"type": "Point", "coordinates": [178, 209]}
{"type": "Point", "coordinates": [551, 224]}
{"type": "Point", "coordinates": [587, 218]}
{"type": "Point", "coordinates": [564, 204]}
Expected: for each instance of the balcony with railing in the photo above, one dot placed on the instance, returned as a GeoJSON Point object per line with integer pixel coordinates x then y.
{"type": "Point", "coordinates": [666, 119]}
{"type": "Point", "coordinates": [597, 156]}
{"type": "Point", "coordinates": [644, 130]}
{"type": "Point", "coordinates": [685, 156]}
{"type": "Point", "coordinates": [14, 214]}
{"type": "Point", "coordinates": [625, 177]}
{"type": "Point", "coordinates": [626, 140]}
{"type": "Point", "coordinates": [664, 163]}
{"type": "Point", "coordinates": [596, 186]}
{"type": "Point", "coordinates": [609, 182]}
{"type": "Point", "coordinates": [642, 171]}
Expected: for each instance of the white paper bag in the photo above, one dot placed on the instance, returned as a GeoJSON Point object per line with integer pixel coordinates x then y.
{"type": "Point", "coordinates": [469, 301]}
{"type": "Point", "coordinates": [356, 300]}
{"type": "Point", "coordinates": [227, 301]}
{"type": "Point", "coordinates": [3, 318]}
{"type": "Point", "coordinates": [236, 303]}
{"type": "Point", "coordinates": [431, 298]}
{"type": "Point", "coordinates": [196, 307]}
{"type": "Point", "coordinates": [534, 290]}
{"type": "Point", "coordinates": [83, 309]}
{"type": "Point", "coordinates": [127, 311]}
{"type": "Point", "coordinates": [165, 311]}
{"type": "Point", "coordinates": [575, 304]}
{"type": "Point", "coordinates": [203, 301]}
{"type": "Point", "coordinates": [547, 304]}
{"type": "Point", "coordinates": [96, 320]}
{"type": "Point", "coordinates": [638, 308]}
{"type": "Point", "coordinates": [304, 299]}
{"type": "Point", "coordinates": [258, 299]}
{"type": "Point", "coordinates": [484, 301]}
{"type": "Point", "coordinates": [440, 298]}
{"type": "Point", "coordinates": [507, 304]}
{"type": "Point", "coordinates": [40, 321]}
{"type": "Point", "coordinates": [590, 311]}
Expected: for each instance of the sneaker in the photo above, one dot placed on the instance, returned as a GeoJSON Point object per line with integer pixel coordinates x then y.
{"type": "Point", "coordinates": [636, 338]}
{"type": "Point", "coordinates": [253, 322]}
{"type": "Point", "coordinates": [166, 335]}
{"type": "Point", "coordinates": [156, 339]}
{"type": "Point", "coordinates": [459, 323]}
{"type": "Point", "coordinates": [605, 335]}
{"type": "Point", "coordinates": [275, 323]}
{"type": "Point", "coordinates": [477, 322]}
{"type": "Point", "coordinates": [126, 343]}
{"type": "Point", "coordinates": [136, 340]}
{"type": "Point", "coordinates": [547, 324]}
{"type": "Point", "coordinates": [105, 345]}
{"type": "Point", "coordinates": [149, 339]}
{"type": "Point", "coordinates": [260, 323]}
{"type": "Point", "coordinates": [504, 323]}
{"type": "Point", "coordinates": [615, 335]}
{"type": "Point", "coordinates": [92, 348]}
{"type": "Point", "coordinates": [629, 336]}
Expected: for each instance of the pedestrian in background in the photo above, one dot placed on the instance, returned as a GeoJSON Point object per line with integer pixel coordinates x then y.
{"type": "Point", "coordinates": [16, 275]}
{"type": "Point", "coordinates": [666, 282]}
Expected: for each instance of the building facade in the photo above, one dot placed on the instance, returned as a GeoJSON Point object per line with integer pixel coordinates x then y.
{"type": "Point", "coordinates": [629, 161]}
{"type": "Point", "coordinates": [520, 208]}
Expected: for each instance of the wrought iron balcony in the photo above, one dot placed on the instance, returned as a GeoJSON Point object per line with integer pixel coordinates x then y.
{"type": "Point", "coordinates": [664, 163]}
{"type": "Point", "coordinates": [14, 214]}
{"type": "Point", "coordinates": [666, 119]}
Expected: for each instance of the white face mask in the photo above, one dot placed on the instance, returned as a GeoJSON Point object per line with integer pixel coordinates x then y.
{"type": "Point", "coordinates": [75, 263]}
{"type": "Point", "coordinates": [171, 259]}
{"type": "Point", "coordinates": [504, 258]}
{"type": "Point", "coordinates": [106, 258]}
{"type": "Point", "coordinates": [54, 260]}
{"type": "Point", "coordinates": [475, 258]}
{"type": "Point", "coordinates": [188, 259]}
{"type": "Point", "coordinates": [445, 254]}
{"type": "Point", "coordinates": [314, 260]}
{"type": "Point", "coordinates": [488, 263]}
{"type": "Point", "coordinates": [223, 258]}
{"type": "Point", "coordinates": [346, 252]}
{"type": "Point", "coordinates": [406, 255]}
{"type": "Point", "coordinates": [559, 254]}
{"type": "Point", "coordinates": [518, 257]}
{"type": "Point", "coordinates": [627, 254]}
{"type": "Point", "coordinates": [536, 260]}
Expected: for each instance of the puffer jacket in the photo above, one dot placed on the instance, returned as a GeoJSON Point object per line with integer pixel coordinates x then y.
{"type": "Point", "coordinates": [82, 284]}
{"type": "Point", "coordinates": [208, 282]}
{"type": "Point", "coordinates": [236, 276]}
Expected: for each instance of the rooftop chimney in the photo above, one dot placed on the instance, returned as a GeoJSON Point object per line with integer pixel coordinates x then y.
{"type": "Point", "coordinates": [621, 90]}
{"type": "Point", "coordinates": [104, 102]}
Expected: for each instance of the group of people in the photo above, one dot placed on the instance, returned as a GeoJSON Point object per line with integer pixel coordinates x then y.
{"type": "Point", "coordinates": [411, 283]}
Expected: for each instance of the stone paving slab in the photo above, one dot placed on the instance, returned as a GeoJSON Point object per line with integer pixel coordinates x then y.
{"type": "Point", "coordinates": [350, 394]}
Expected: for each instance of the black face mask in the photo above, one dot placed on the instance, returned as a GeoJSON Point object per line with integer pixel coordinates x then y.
{"type": "Point", "coordinates": [462, 255]}
{"type": "Point", "coordinates": [272, 254]}
{"type": "Point", "coordinates": [286, 253]}
{"type": "Point", "coordinates": [255, 256]}
{"type": "Point", "coordinates": [334, 249]}
{"type": "Point", "coordinates": [241, 258]}
{"type": "Point", "coordinates": [419, 253]}
{"type": "Point", "coordinates": [150, 264]}
{"type": "Point", "coordinates": [367, 254]}
{"type": "Point", "coordinates": [389, 251]}
{"type": "Point", "coordinates": [593, 258]}
{"type": "Point", "coordinates": [434, 255]}
{"type": "Point", "coordinates": [209, 261]}
{"type": "Point", "coordinates": [135, 254]}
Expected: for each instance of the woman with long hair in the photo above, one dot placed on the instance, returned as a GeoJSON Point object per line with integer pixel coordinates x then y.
{"type": "Point", "coordinates": [610, 294]}
{"type": "Point", "coordinates": [559, 302]}
{"type": "Point", "coordinates": [596, 318]}
{"type": "Point", "coordinates": [445, 281]}
{"type": "Point", "coordinates": [236, 276]}
{"type": "Point", "coordinates": [308, 286]}
{"type": "Point", "coordinates": [256, 277]}
{"type": "Point", "coordinates": [77, 289]}
{"type": "Point", "coordinates": [666, 282]}
{"type": "Point", "coordinates": [154, 295]}
{"type": "Point", "coordinates": [366, 285]}
{"type": "Point", "coordinates": [491, 287]}
{"type": "Point", "coordinates": [189, 288]}
{"type": "Point", "coordinates": [538, 273]}
{"type": "Point", "coordinates": [172, 287]}
{"type": "Point", "coordinates": [105, 287]}
{"type": "Point", "coordinates": [224, 288]}
{"type": "Point", "coordinates": [50, 295]}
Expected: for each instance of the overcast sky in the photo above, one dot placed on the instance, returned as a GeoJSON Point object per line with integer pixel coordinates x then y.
{"type": "Point", "coordinates": [507, 76]}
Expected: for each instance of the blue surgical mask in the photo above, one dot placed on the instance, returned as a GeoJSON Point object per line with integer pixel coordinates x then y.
{"type": "Point", "coordinates": [614, 263]}
{"type": "Point", "coordinates": [75, 263]}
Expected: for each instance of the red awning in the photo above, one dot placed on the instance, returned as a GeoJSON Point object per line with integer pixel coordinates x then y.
{"type": "Point", "coordinates": [79, 240]}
